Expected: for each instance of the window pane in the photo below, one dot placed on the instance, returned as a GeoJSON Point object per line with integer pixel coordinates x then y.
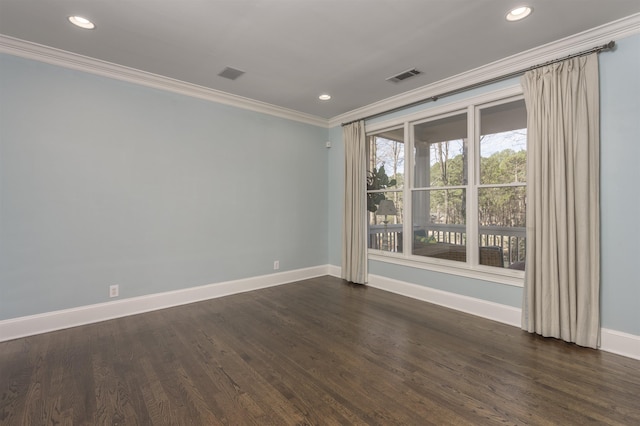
{"type": "Point", "coordinates": [385, 169]}
{"type": "Point", "coordinates": [501, 213]}
{"type": "Point", "coordinates": [503, 143]}
{"type": "Point", "coordinates": [439, 219]}
{"type": "Point", "coordinates": [387, 236]}
{"type": "Point", "coordinates": [441, 152]}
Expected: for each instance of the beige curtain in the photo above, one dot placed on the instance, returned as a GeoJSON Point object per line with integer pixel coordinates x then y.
{"type": "Point", "coordinates": [562, 276]}
{"type": "Point", "coordinates": [354, 224]}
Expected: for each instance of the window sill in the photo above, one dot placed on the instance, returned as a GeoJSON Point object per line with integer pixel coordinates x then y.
{"type": "Point", "coordinates": [485, 273]}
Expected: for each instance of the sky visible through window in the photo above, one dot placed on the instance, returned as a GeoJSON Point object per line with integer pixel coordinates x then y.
{"type": "Point", "coordinates": [515, 140]}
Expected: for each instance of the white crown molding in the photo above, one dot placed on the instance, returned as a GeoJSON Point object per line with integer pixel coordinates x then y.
{"type": "Point", "coordinates": [613, 341]}
{"type": "Point", "coordinates": [615, 30]}
{"type": "Point", "coordinates": [50, 55]}
{"type": "Point", "coordinates": [57, 320]}
{"type": "Point", "coordinates": [514, 90]}
{"type": "Point", "coordinates": [585, 40]}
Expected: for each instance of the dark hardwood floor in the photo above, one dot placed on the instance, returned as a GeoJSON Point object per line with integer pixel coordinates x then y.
{"type": "Point", "coordinates": [318, 352]}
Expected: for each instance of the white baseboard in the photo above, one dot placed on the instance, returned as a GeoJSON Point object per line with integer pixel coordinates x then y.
{"type": "Point", "coordinates": [482, 308]}
{"type": "Point", "coordinates": [335, 271]}
{"type": "Point", "coordinates": [50, 321]}
{"type": "Point", "coordinates": [620, 343]}
{"type": "Point", "coordinates": [613, 341]}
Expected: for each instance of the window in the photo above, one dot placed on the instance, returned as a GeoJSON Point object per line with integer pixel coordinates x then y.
{"type": "Point", "coordinates": [439, 191]}
{"type": "Point", "coordinates": [385, 183]}
{"type": "Point", "coordinates": [461, 198]}
{"type": "Point", "coordinates": [502, 184]}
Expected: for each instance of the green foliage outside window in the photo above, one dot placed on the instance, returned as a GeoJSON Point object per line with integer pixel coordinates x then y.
{"type": "Point", "coordinates": [496, 206]}
{"type": "Point", "coordinates": [377, 179]}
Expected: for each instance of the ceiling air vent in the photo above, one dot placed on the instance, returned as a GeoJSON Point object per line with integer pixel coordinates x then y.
{"type": "Point", "coordinates": [404, 75]}
{"type": "Point", "coordinates": [231, 73]}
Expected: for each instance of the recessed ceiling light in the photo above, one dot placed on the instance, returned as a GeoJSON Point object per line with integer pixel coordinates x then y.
{"type": "Point", "coordinates": [81, 22]}
{"type": "Point", "coordinates": [519, 13]}
{"type": "Point", "coordinates": [324, 97]}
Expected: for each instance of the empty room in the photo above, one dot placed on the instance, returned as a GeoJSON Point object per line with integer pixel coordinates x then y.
{"type": "Point", "coordinates": [317, 212]}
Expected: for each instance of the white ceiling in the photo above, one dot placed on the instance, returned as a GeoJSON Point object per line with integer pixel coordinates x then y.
{"type": "Point", "coordinates": [294, 50]}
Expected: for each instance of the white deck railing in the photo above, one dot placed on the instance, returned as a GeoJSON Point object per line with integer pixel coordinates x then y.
{"type": "Point", "coordinates": [510, 239]}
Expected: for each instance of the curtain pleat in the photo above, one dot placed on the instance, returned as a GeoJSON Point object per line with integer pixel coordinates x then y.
{"type": "Point", "coordinates": [354, 225]}
{"type": "Point", "coordinates": [562, 276]}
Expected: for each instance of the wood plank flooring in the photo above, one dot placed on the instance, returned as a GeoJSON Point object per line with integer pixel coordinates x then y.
{"type": "Point", "coordinates": [316, 352]}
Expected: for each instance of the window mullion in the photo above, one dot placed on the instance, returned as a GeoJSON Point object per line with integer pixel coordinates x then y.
{"type": "Point", "coordinates": [473, 131]}
{"type": "Point", "coordinates": [407, 220]}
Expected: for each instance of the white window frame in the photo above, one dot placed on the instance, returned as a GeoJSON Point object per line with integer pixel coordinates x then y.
{"type": "Point", "coordinates": [471, 268]}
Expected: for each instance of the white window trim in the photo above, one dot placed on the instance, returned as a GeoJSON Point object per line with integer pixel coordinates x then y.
{"type": "Point", "coordinates": [468, 106]}
{"type": "Point", "coordinates": [451, 267]}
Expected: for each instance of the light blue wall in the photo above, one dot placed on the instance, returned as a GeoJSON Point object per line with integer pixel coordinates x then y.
{"type": "Point", "coordinates": [620, 185]}
{"type": "Point", "coordinates": [336, 194]}
{"type": "Point", "coordinates": [104, 182]}
{"type": "Point", "coordinates": [620, 199]}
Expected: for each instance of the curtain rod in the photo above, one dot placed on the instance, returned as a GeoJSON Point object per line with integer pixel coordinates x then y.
{"type": "Point", "coordinates": [597, 49]}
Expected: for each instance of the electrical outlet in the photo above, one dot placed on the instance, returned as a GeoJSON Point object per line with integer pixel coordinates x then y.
{"type": "Point", "coordinates": [114, 290]}
{"type": "Point", "coordinates": [276, 265]}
